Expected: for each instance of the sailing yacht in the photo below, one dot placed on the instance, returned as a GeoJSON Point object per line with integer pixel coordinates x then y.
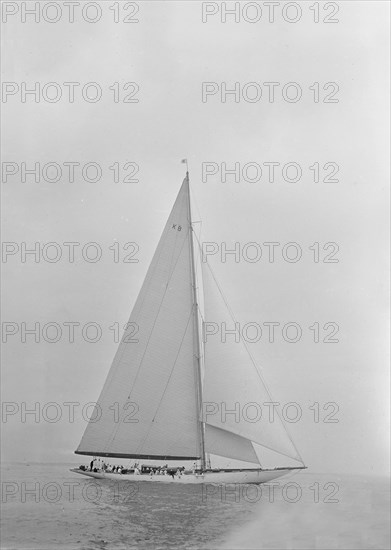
{"type": "Point", "coordinates": [164, 392]}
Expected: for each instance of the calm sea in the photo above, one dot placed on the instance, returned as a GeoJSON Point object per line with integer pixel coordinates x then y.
{"type": "Point", "coordinates": [46, 507]}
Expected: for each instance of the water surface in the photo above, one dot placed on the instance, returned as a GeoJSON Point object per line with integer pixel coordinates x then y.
{"type": "Point", "coordinates": [46, 506]}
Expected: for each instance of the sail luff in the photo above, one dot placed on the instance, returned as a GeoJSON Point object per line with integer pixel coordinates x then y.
{"type": "Point", "coordinates": [201, 427]}
{"type": "Point", "coordinates": [148, 405]}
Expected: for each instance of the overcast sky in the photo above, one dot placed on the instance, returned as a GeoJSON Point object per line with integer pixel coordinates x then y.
{"type": "Point", "coordinates": [169, 53]}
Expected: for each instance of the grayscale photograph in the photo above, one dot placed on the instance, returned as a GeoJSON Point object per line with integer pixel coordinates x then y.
{"type": "Point", "coordinates": [195, 275]}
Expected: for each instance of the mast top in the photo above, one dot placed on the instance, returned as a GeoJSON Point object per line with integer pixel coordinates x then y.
{"type": "Point", "coordinates": [184, 161]}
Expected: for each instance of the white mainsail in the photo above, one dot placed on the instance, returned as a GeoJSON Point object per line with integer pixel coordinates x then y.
{"type": "Point", "coordinates": [156, 377]}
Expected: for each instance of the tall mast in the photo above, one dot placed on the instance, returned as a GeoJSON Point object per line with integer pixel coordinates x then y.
{"type": "Point", "coordinates": [201, 427]}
